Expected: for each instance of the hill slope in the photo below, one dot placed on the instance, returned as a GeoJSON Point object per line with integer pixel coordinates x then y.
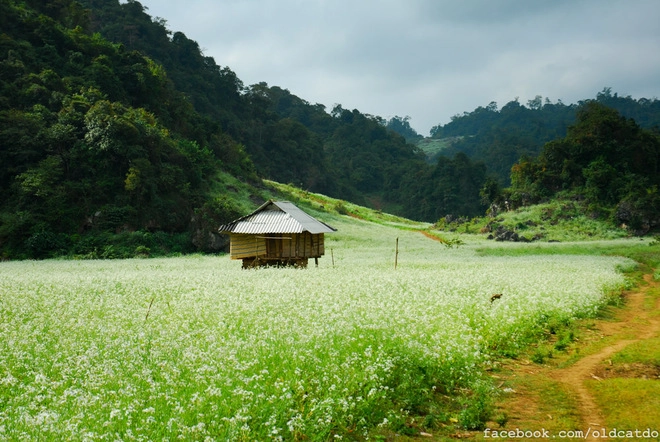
{"type": "Point", "coordinates": [96, 139]}
{"type": "Point", "coordinates": [99, 138]}
{"type": "Point", "coordinates": [111, 124]}
{"type": "Point", "coordinates": [501, 137]}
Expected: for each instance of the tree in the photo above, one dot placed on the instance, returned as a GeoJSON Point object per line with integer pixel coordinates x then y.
{"type": "Point", "coordinates": [536, 103]}
{"type": "Point", "coordinates": [401, 125]}
{"type": "Point", "coordinates": [607, 159]}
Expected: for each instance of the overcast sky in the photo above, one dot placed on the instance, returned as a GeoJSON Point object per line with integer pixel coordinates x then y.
{"type": "Point", "coordinates": [428, 59]}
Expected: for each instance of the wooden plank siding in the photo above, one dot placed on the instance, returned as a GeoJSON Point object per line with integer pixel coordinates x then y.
{"type": "Point", "coordinates": [277, 246]}
{"type": "Point", "coordinates": [246, 246]}
{"type": "Point", "coordinates": [301, 245]}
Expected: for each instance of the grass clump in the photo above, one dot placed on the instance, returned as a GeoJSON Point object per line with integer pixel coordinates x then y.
{"type": "Point", "coordinates": [644, 352]}
{"type": "Point", "coordinates": [478, 408]}
{"type": "Point", "coordinates": [540, 355]}
{"type": "Point", "coordinates": [628, 403]}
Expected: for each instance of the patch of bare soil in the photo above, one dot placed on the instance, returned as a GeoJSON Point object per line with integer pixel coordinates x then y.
{"type": "Point", "coordinates": [635, 370]}
{"type": "Point", "coordinates": [433, 237]}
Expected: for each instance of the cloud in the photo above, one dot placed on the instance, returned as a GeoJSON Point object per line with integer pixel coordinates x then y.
{"type": "Point", "coordinates": [428, 59]}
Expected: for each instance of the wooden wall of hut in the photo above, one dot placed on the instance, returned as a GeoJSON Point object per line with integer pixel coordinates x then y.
{"type": "Point", "coordinates": [277, 246]}
{"type": "Point", "coordinates": [246, 246]}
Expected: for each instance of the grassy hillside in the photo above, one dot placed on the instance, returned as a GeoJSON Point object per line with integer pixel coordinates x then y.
{"type": "Point", "coordinates": [559, 220]}
{"type": "Point", "coordinates": [432, 147]}
{"type": "Point", "coordinates": [318, 204]}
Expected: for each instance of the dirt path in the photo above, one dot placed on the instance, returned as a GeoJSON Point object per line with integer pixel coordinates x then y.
{"type": "Point", "coordinates": [633, 323]}
{"type": "Point", "coordinates": [574, 376]}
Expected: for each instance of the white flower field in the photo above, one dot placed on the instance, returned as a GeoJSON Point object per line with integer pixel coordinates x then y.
{"type": "Point", "coordinates": [195, 348]}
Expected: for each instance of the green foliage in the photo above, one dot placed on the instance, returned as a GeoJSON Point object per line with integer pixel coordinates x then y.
{"type": "Point", "coordinates": [451, 187]}
{"type": "Point", "coordinates": [94, 135]}
{"type": "Point", "coordinates": [356, 157]}
{"type": "Point", "coordinates": [605, 159]}
{"type": "Point", "coordinates": [478, 407]}
{"type": "Point", "coordinates": [401, 125]}
{"type": "Point", "coordinates": [501, 419]}
{"type": "Point", "coordinates": [105, 245]}
{"type": "Point", "coordinates": [556, 220]}
{"type": "Point", "coordinates": [45, 244]}
{"type": "Point", "coordinates": [120, 131]}
{"type": "Point", "coordinates": [500, 138]}
{"type": "Point", "coordinates": [540, 355]}
{"type": "Point", "coordinates": [564, 340]}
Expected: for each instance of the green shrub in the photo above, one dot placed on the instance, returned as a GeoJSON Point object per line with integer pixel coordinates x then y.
{"type": "Point", "coordinates": [104, 245]}
{"type": "Point", "coordinates": [340, 208]}
{"type": "Point", "coordinates": [142, 251]}
{"type": "Point", "coordinates": [540, 355]}
{"type": "Point", "coordinates": [46, 244]}
{"type": "Point", "coordinates": [478, 407]}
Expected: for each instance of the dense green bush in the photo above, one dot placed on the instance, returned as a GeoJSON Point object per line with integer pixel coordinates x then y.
{"type": "Point", "coordinates": [46, 244]}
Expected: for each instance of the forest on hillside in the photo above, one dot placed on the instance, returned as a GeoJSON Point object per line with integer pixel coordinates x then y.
{"type": "Point", "coordinates": [607, 161]}
{"type": "Point", "coordinates": [499, 137]}
{"type": "Point", "coordinates": [111, 124]}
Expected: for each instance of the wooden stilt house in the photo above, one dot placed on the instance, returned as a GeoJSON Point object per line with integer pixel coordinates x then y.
{"type": "Point", "coordinates": [277, 233]}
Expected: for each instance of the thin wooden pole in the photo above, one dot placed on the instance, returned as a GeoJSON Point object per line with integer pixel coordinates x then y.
{"type": "Point", "coordinates": [149, 309]}
{"type": "Point", "coordinates": [332, 254]}
{"type": "Point", "coordinates": [396, 254]}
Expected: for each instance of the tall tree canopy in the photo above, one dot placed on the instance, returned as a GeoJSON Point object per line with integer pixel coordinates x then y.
{"type": "Point", "coordinates": [500, 137]}
{"type": "Point", "coordinates": [94, 135]}
{"type": "Point", "coordinates": [605, 158]}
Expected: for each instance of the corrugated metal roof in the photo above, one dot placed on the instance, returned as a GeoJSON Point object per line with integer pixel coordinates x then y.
{"type": "Point", "coordinates": [276, 217]}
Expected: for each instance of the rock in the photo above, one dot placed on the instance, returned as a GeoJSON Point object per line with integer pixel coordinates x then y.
{"type": "Point", "coordinates": [504, 234]}
{"type": "Point", "coordinates": [210, 241]}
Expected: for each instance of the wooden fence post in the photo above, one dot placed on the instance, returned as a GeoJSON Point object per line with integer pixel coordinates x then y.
{"type": "Point", "coordinates": [396, 254]}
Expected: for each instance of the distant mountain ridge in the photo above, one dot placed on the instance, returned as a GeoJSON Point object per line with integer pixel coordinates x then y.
{"type": "Point", "coordinates": [501, 137]}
